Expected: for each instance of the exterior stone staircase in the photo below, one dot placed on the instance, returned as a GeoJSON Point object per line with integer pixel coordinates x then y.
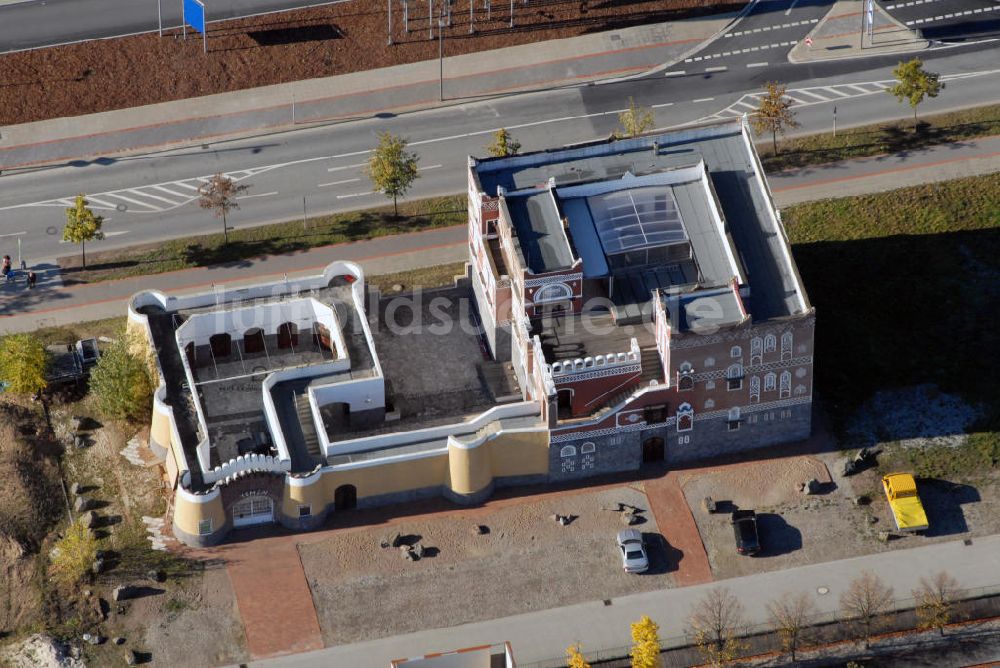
{"type": "Point", "coordinates": [310, 438]}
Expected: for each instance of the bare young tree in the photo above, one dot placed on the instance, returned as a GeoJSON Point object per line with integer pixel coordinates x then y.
{"type": "Point", "coordinates": [936, 601]}
{"type": "Point", "coordinates": [717, 621]}
{"type": "Point", "coordinates": [220, 194]}
{"type": "Point", "coordinates": [790, 616]}
{"type": "Point", "coordinates": [866, 599]}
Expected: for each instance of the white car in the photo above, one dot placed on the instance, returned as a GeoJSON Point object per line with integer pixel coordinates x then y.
{"type": "Point", "coordinates": [633, 551]}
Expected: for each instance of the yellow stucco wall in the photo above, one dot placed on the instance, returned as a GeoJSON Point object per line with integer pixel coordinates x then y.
{"type": "Point", "coordinates": [389, 478]}
{"type": "Point", "coordinates": [188, 514]}
{"type": "Point", "coordinates": [525, 453]}
{"type": "Point", "coordinates": [313, 495]}
{"type": "Point", "coordinates": [159, 428]}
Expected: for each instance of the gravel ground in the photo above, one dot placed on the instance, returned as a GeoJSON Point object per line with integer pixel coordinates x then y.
{"type": "Point", "coordinates": [362, 591]}
{"type": "Point", "coordinates": [291, 46]}
{"type": "Point", "coordinates": [797, 530]}
{"type": "Point", "coordinates": [914, 417]}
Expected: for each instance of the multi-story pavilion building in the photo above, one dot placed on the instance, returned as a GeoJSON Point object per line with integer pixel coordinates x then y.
{"type": "Point", "coordinates": [626, 302]}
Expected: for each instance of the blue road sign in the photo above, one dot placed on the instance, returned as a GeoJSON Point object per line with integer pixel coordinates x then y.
{"type": "Point", "coordinates": [194, 14]}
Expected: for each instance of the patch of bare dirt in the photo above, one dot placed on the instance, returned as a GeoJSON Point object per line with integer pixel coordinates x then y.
{"type": "Point", "coordinates": [114, 74]}
{"type": "Point", "coordinates": [364, 591]}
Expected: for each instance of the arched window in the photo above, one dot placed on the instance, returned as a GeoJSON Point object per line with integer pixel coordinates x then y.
{"type": "Point", "coordinates": [786, 346]}
{"type": "Point", "coordinates": [734, 377]}
{"type": "Point", "coordinates": [587, 448]}
{"type": "Point", "coordinates": [685, 377]}
{"type": "Point", "coordinates": [710, 385]}
{"type": "Point", "coordinates": [733, 422]}
{"type": "Point", "coordinates": [769, 381]}
{"type": "Point", "coordinates": [553, 292]}
{"type": "Point", "coordinates": [756, 350]}
{"type": "Point", "coordinates": [685, 417]}
{"type": "Point", "coordinates": [567, 451]}
{"type": "Point", "coordinates": [754, 389]}
{"type": "Point", "coordinates": [770, 342]}
{"type": "Point", "coordinates": [786, 385]}
{"type": "Point", "coordinates": [736, 352]}
{"type": "Point", "coordinates": [709, 404]}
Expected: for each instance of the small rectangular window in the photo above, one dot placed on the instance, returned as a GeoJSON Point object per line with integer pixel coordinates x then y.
{"type": "Point", "coordinates": [734, 383]}
{"type": "Point", "coordinates": [734, 425]}
{"type": "Point", "coordinates": [205, 527]}
{"type": "Point", "coordinates": [655, 414]}
{"type": "Point", "coordinates": [305, 511]}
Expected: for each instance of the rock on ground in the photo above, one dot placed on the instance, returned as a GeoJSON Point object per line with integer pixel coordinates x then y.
{"type": "Point", "coordinates": [40, 651]}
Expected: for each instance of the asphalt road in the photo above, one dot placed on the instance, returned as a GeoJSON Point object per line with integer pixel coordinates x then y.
{"type": "Point", "coordinates": [41, 23]}
{"type": "Point", "coordinates": [151, 197]}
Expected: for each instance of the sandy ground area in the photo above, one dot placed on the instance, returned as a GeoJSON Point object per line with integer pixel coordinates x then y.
{"type": "Point", "coordinates": [362, 591]}
{"type": "Point", "coordinates": [796, 529]}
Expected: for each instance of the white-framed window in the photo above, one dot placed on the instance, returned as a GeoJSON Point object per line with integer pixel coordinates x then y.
{"type": "Point", "coordinates": [734, 377]}
{"type": "Point", "coordinates": [616, 440]}
{"type": "Point", "coordinates": [754, 389]}
{"type": "Point", "coordinates": [205, 527]}
{"type": "Point", "coordinates": [685, 377]}
{"type": "Point", "coordinates": [567, 451]}
{"type": "Point", "coordinates": [785, 385]}
{"type": "Point", "coordinates": [305, 511]}
{"type": "Point", "coordinates": [736, 352]}
{"type": "Point", "coordinates": [770, 343]}
{"type": "Point", "coordinates": [587, 462]}
{"type": "Point", "coordinates": [752, 418]}
{"type": "Point", "coordinates": [552, 292]}
{"type": "Point", "coordinates": [733, 425]}
{"type": "Point", "coordinates": [587, 448]}
{"type": "Point", "coordinates": [709, 404]}
{"type": "Point", "coordinates": [756, 350]}
{"type": "Point", "coordinates": [685, 417]}
{"type": "Point", "coordinates": [709, 362]}
{"type": "Point", "coordinates": [734, 414]}
{"type": "Point", "coordinates": [769, 380]}
{"type": "Point", "coordinates": [684, 439]}
{"type": "Point", "coordinates": [786, 346]}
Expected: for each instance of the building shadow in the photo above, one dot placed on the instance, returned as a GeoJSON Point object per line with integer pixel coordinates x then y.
{"type": "Point", "coordinates": [943, 501]}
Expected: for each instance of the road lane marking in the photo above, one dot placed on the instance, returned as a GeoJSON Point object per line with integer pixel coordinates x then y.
{"type": "Point", "coordinates": [340, 169]}
{"type": "Point", "coordinates": [756, 64]}
{"type": "Point", "coordinates": [256, 195]}
{"type": "Point", "coordinates": [132, 200]}
{"type": "Point", "coordinates": [702, 99]}
{"type": "Point", "coordinates": [791, 7]}
{"type": "Point", "coordinates": [171, 192]}
{"type": "Point", "coordinates": [337, 183]}
{"type": "Point", "coordinates": [13, 234]}
{"type": "Point", "coordinates": [675, 73]}
{"type": "Point", "coordinates": [716, 69]}
{"type": "Point", "coordinates": [665, 104]}
{"type": "Point", "coordinates": [424, 169]}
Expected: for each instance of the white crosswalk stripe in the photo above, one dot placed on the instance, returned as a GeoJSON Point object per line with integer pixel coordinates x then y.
{"type": "Point", "coordinates": [812, 95]}
{"type": "Point", "coordinates": [154, 198]}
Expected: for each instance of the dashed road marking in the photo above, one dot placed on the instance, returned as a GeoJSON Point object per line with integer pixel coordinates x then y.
{"type": "Point", "coordinates": [703, 99]}
{"type": "Point", "coordinates": [257, 195]}
{"type": "Point", "coordinates": [756, 64]}
{"type": "Point", "coordinates": [340, 169]}
{"type": "Point", "coordinates": [793, 24]}
{"type": "Point", "coordinates": [337, 183]}
{"type": "Point", "coordinates": [364, 194]}
{"type": "Point", "coordinates": [716, 69]}
{"type": "Point", "coordinates": [942, 17]}
{"type": "Point", "coordinates": [724, 54]}
{"type": "Point", "coordinates": [675, 73]}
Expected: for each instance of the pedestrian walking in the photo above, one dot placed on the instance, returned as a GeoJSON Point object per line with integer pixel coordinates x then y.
{"type": "Point", "coordinates": [7, 273]}
{"type": "Point", "coordinates": [31, 279]}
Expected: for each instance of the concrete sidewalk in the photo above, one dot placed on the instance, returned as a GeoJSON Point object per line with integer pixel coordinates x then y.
{"type": "Point", "coordinates": [360, 94]}
{"type": "Point", "coordinates": [540, 638]}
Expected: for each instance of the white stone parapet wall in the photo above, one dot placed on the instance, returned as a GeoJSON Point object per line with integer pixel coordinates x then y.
{"type": "Point", "coordinates": [563, 370]}
{"type": "Point", "coordinates": [251, 463]}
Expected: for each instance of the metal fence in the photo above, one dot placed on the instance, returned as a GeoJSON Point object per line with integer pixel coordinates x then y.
{"type": "Point", "coordinates": [824, 629]}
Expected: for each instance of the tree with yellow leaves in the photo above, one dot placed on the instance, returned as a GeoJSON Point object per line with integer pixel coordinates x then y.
{"type": "Point", "coordinates": [645, 652]}
{"type": "Point", "coordinates": [634, 121]}
{"type": "Point", "coordinates": [574, 658]}
{"type": "Point", "coordinates": [774, 113]}
{"type": "Point", "coordinates": [82, 226]}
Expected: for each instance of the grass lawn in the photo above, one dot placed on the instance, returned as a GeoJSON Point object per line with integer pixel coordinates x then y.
{"type": "Point", "coordinates": [906, 286]}
{"type": "Point", "coordinates": [287, 237]}
{"type": "Point", "coordinates": [880, 138]}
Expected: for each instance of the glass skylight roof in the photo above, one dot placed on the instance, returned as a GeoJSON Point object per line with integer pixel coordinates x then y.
{"type": "Point", "coordinates": [644, 217]}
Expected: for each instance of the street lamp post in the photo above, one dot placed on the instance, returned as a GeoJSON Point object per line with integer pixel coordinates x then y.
{"type": "Point", "coordinates": [441, 58]}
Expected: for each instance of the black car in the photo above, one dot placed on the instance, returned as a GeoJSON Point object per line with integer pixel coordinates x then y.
{"type": "Point", "coordinates": [745, 529]}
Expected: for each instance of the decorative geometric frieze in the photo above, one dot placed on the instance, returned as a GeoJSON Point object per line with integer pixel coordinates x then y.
{"type": "Point", "coordinates": [535, 282]}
